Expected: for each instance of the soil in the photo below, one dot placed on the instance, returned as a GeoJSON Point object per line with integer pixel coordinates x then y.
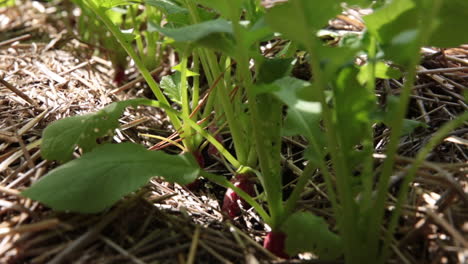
{"type": "Point", "coordinates": [47, 73]}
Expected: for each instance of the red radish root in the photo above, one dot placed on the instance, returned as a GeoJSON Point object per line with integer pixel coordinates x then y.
{"type": "Point", "coordinates": [274, 242]}
{"type": "Point", "coordinates": [119, 75]}
{"type": "Point", "coordinates": [232, 201]}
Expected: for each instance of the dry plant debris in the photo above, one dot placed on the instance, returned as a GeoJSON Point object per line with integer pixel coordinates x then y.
{"type": "Point", "coordinates": [45, 75]}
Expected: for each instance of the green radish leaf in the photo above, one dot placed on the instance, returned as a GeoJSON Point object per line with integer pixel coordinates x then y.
{"type": "Point", "coordinates": [382, 71]}
{"type": "Point", "coordinates": [62, 136]}
{"type": "Point", "coordinates": [174, 13]}
{"type": "Point", "coordinates": [258, 32]}
{"type": "Point", "coordinates": [215, 34]}
{"type": "Point", "coordinates": [8, 3]}
{"type": "Point", "coordinates": [354, 106]}
{"type": "Point", "coordinates": [450, 25]}
{"type": "Point", "coordinates": [101, 177]}
{"type": "Point", "coordinates": [171, 87]}
{"type": "Point", "coordinates": [302, 119]}
{"type": "Point", "coordinates": [332, 59]}
{"type": "Point", "coordinates": [167, 6]}
{"type": "Point", "coordinates": [360, 3]}
{"type": "Point", "coordinates": [388, 21]}
{"type": "Point", "coordinates": [222, 7]}
{"type": "Point", "coordinates": [299, 20]}
{"type": "Point", "coordinates": [408, 125]}
{"type": "Point", "coordinates": [395, 26]}
{"type": "Point", "coordinates": [273, 69]}
{"type": "Point", "coordinates": [303, 115]}
{"type": "Point", "coordinates": [306, 232]}
{"type": "Point", "coordinates": [188, 72]}
{"type": "Point", "coordinates": [270, 109]}
{"type": "Point", "coordinates": [196, 32]}
{"type": "Point", "coordinates": [110, 3]}
{"type": "Point", "coordinates": [289, 88]}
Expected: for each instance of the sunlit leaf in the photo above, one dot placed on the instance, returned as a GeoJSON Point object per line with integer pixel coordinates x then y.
{"type": "Point", "coordinates": [101, 177]}
{"type": "Point", "coordinates": [382, 71]}
{"type": "Point", "coordinates": [216, 34]}
{"type": "Point", "coordinates": [300, 20]}
{"type": "Point", "coordinates": [450, 24]}
{"type": "Point", "coordinates": [396, 27]}
{"type": "Point", "coordinates": [62, 136]}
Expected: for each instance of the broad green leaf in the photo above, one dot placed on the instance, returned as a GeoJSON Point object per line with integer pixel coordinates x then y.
{"type": "Point", "coordinates": [332, 59]}
{"type": "Point", "coordinates": [199, 31]}
{"type": "Point", "coordinates": [395, 26]}
{"type": "Point", "coordinates": [188, 72]}
{"type": "Point", "coordinates": [273, 69]}
{"type": "Point", "coordinates": [408, 125]}
{"type": "Point", "coordinates": [7, 3]}
{"type": "Point", "coordinates": [62, 136]}
{"type": "Point", "coordinates": [258, 32]}
{"type": "Point", "coordinates": [299, 20]}
{"type": "Point", "coordinates": [303, 116]}
{"type": "Point", "coordinates": [360, 3]}
{"type": "Point", "coordinates": [223, 7]}
{"type": "Point", "coordinates": [171, 87]}
{"type": "Point", "coordinates": [108, 4]}
{"type": "Point", "coordinates": [167, 6]}
{"type": "Point", "coordinates": [289, 89]}
{"type": "Point", "coordinates": [101, 177]}
{"type": "Point", "coordinates": [387, 22]}
{"type": "Point", "coordinates": [174, 13]}
{"type": "Point", "coordinates": [450, 24]}
{"type": "Point", "coordinates": [215, 34]}
{"type": "Point", "coordinates": [382, 71]}
{"type": "Point", "coordinates": [353, 106]}
{"type": "Point", "coordinates": [270, 124]}
{"type": "Point", "coordinates": [306, 232]}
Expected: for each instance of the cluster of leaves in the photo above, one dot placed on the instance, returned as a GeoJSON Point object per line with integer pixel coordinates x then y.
{"type": "Point", "coordinates": [335, 112]}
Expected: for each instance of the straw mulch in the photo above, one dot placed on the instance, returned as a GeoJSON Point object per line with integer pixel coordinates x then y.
{"type": "Point", "coordinates": [47, 74]}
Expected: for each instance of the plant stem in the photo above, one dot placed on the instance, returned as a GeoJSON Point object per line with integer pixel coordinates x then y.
{"type": "Point", "coordinates": [196, 127]}
{"type": "Point", "coordinates": [196, 82]}
{"type": "Point", "coordinates": [269, 178]}
{"type": "Point", "coordinates": [186, 130]}
{"type": "Point", "coordinates": [100, 12]}
{"type": "Point", "coordinates": [424, 26]}
{"type": "Point", "coordinates": [223, 96]}
{"type": "Point", "coordinates": [420, 157]}
{"type": "Point", "coordinates": [227, 184]}
{"type": "Point", "coordinates": [301, 183]}
{"type": "Point", "coordinates": [346, 217]}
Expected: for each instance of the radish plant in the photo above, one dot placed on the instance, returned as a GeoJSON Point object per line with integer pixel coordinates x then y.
{"type": "Point", "coordinates": [334, 111]}
{"type": "Point", "coordinates": [94, 32]}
